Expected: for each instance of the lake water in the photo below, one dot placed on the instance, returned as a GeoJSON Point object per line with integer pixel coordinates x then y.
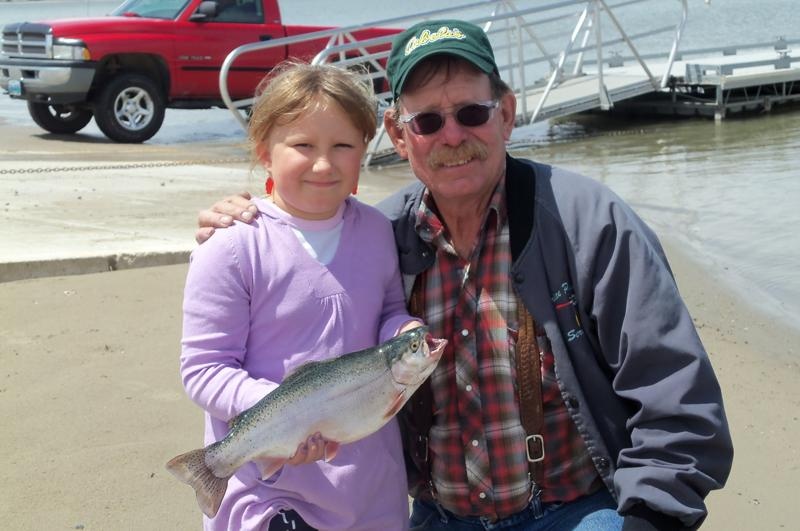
{"type": "Point", "coordinates": [729, 190]}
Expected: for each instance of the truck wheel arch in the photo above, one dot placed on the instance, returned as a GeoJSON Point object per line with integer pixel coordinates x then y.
{"type": "Point", "coordinates": [138, 82]}
{"type": "Point", "coordinates": [153, 66]}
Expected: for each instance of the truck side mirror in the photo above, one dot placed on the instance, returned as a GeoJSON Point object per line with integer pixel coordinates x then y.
{"type": "Point", "coordinates": [206, 10]}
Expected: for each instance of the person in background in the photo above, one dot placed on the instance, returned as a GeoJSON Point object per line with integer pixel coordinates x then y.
{"type": "Point", "coordinates": [574, 392]}
{"type": "Point", "coordinates": [315, 276]}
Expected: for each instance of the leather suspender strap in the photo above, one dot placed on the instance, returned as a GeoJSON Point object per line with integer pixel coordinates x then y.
{"type": "Point", "coordinates": [529, 385]}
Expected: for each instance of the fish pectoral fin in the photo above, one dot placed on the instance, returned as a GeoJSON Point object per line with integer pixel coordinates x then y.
{"type": "Point", "coordinates": [267, 466]}
{"type": "Point", "coordinates": [331, 449]}
{"type": "Point", "coordinates": [396, 405]}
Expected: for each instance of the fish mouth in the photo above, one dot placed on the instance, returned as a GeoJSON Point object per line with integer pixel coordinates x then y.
{"type": "Point", "coordinates": [435, 346]}
{"type": "Point", "coordinates": [415, 366]}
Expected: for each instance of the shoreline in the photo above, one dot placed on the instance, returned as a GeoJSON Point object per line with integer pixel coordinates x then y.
{"type": "Point", "coordinates": [756, 359]}
{"type": "Point", "coordinates": [716, 300]}
{"type": "Point", "coordinates": [91, 381]}
{"type": "Point", "coordinates": [765, 306]}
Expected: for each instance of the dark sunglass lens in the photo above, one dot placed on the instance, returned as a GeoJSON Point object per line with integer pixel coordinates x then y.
{"type": "Point", "coordinates": [427, 123]}
{"type": "Point", "coordinates": [473, 115]}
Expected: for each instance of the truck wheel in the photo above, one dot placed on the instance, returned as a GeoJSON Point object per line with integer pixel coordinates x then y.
{"type": "Point", "coordinates": [59, 119]}
{"type": "Point", "coordinates": [129, 109]}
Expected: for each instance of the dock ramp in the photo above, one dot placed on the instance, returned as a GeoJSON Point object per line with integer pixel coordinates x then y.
{"type": "Point", "coordinates": [559, 57]}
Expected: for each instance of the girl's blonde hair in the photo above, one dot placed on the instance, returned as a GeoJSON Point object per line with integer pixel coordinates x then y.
{"type": "Point", "coordinates": [293, 88]}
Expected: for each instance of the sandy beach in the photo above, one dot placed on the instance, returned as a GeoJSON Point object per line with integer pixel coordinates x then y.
{"type": "Point", "coordinates": [93, 406]}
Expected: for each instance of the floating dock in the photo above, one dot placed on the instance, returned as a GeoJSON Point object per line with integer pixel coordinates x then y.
{"type": "Point", "coordinates": [731, 80]}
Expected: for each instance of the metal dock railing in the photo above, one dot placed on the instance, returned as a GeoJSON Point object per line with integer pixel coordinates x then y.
{"type": "Point", "coordinates": [540, 51]}
{"type": "Point", "coordinates": [559, 58]}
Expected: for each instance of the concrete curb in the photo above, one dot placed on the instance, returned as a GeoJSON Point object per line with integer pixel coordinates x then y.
{"type": "Point", "coordinates": [12, 271]}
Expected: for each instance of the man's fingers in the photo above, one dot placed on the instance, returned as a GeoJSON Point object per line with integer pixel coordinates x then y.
{"type": "Point", "coordinates": [211, 218]}
{"type": "Point", "coordinates": [208, 220]}
{"type": "Point", "coordinates": [223, 213]}
{"type": "Point", "coordinates": [203, 234]}
{"type": "Point", "coordinates": [236, 206]}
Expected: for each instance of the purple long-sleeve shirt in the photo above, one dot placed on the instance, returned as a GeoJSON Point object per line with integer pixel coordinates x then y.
{"type": "Point", "coordinates": [256, 306]}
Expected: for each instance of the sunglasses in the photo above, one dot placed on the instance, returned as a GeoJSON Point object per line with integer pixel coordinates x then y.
{"type": "Point", "coordinates": [469, 115]}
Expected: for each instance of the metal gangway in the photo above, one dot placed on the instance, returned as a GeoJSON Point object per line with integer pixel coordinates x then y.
{"type": "Point", "coordinates": [558, 57]}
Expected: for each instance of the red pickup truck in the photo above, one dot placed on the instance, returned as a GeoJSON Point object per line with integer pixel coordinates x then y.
{"type": "Point", "coordinates": [125, 69]}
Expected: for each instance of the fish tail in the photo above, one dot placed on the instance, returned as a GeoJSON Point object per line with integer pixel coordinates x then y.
{"type": "Point", "coordinates": [191, 468]}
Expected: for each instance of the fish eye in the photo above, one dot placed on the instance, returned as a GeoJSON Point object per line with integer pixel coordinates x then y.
{"type": "Point", "coordinates": [414, 345]}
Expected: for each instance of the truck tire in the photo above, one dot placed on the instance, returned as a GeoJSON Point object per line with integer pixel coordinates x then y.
{"type": "Point", "coordinates": [130, 108]}
{"type": "Point", "coordinates": [59, 119]}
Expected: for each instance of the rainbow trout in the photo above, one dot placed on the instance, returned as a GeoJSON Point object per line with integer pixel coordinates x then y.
{"type": "Point", "coordinates": [344, 399]}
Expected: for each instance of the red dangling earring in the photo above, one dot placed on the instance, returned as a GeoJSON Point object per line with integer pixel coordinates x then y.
{"type": "Point", "coordinates": [270, 184]}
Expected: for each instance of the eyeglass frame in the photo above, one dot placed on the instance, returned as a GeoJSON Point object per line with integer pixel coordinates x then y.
{"type": "Point", "coordinates": [490, 105]}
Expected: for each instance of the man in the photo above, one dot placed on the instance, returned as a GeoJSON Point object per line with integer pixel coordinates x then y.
{"type": "Point", "coordinates": [616, 420]}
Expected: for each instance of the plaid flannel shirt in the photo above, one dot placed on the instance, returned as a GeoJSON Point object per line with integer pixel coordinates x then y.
{"type": "Point", "coordinates": [477, 442]}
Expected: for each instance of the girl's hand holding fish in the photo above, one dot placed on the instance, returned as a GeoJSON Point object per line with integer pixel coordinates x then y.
{"type": "Point", "coordinates": [313, 449]}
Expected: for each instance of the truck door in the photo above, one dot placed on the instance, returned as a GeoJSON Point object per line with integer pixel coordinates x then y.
{"type": "Point", "coordinates": [202, 46]}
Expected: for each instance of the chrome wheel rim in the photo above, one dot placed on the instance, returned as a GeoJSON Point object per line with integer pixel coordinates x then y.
{"type": "Point", "coordinates": [133, 108]}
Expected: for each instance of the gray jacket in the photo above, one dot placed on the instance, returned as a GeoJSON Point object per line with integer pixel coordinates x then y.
{"type": "Point", "coordinates": [632, 370]}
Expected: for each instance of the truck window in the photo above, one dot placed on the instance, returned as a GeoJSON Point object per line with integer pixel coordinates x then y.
{"type": "Point", "coordinates": [166, 9]}
{"type": "Point", "coordinates": [239, 11]}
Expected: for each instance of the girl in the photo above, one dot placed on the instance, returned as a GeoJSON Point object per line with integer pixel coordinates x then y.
{"type": "Point", "coordinates": [315, 276]}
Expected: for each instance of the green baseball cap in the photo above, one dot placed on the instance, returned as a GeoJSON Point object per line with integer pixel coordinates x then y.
{"type": "Point", "coordinates": [432, 37]}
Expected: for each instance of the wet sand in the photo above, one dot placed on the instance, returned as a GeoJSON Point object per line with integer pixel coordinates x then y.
{"type": "Point", "coordinates": [93, 406]}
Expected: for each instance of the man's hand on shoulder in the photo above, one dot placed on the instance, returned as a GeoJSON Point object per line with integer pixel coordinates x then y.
{"type": "Point", "coordinates": [223, 213]}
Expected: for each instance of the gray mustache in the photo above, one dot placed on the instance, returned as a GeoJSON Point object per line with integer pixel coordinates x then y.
{"type": "Point", "coordinates": [446, 155]}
